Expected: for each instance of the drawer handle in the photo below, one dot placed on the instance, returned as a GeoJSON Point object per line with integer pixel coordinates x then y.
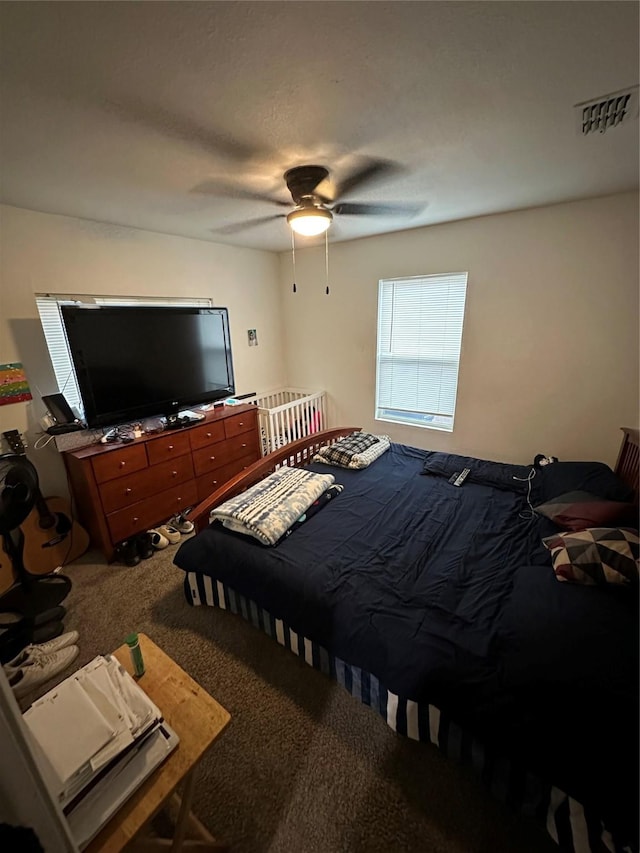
{"type": "Point", "coordinates": [170, 447]}
{"type": "Point", "coordinates": [208, 435]}
{"type": "Point", "coordinates": [179, 500]}
{"type": "Point", "coordinates": [241, 423]}
{"type": "Point", "coordinates": [136, 519]}
{"type": "Point", "coordinates": [214, 483]}
{"type": "Point", "coordinates": [174, 473]}
{"type": "Point", "coordinates": [122, 464]}
{"type": "Point", "coordinates": [212, 458]}
{"type": "Point", "coordinates": [127, 491]}
{"type": "Point", "coordinates": [243, 445]}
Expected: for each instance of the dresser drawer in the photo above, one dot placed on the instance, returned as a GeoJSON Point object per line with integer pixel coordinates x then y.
{"type": "Point", "coordinates": [220, 454]}
{"type": "Point", "coordinates": [144, 514]}
{"type": "Point", "coordinates": [161, 449]}
{"type": "Point", "coordinates": [239, 424]}
{"type": "Point", "coordinates": [241, 445]}
{"type": "Point", "coordinates": [207, 458]}
{"type": "Point", "coordinates": [208, 483]}
{"type": "Point", "coordinates": [204, 435]}
{"type": "Point", "coordinates": [125, 491]}
{"type": "Point", "coordinates": [118, 463]}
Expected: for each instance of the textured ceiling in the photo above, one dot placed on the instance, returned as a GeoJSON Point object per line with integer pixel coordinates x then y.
{"type": "Point", "coordinates": [125, 112]}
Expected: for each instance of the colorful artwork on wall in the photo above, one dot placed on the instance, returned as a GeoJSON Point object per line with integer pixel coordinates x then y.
{"type": "Point", "coordinates": [14, 387]}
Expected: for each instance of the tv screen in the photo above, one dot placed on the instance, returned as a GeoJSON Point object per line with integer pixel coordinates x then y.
{"type": "Point", "coordinates": [136, 362]}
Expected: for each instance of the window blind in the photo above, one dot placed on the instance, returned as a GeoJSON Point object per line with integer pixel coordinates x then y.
{"type": "Point", "coordinates": [51, 318]}
{"type": "Point", "coordinates": [419, 336]}
{"type": "Point", "coordinates": [150, 301]}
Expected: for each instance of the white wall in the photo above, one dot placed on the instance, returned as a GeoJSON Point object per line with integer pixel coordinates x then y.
{"type": "Point", "coordinates": [58, 254]}
{"type": "Point", "coordinates": [550, 344]}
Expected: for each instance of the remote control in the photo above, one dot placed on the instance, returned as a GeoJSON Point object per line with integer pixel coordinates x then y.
{"type": "Point", "coordinates": [462, 477]}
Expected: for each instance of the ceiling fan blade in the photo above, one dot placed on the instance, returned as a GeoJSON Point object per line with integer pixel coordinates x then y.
{"type": "Point", "coordinates": [223, 190]}
{"type": "Point", "coordinates": [369, 173]}
{"type": "Point", "coordinates": [185, 129]}
{"type": "Point", "coordinates": [236, 227]}
{"type": "Point", "coordinates": [355, 209]}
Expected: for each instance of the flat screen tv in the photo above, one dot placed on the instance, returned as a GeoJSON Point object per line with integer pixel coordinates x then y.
{"type": "Point", "coordinates": [137, 362]}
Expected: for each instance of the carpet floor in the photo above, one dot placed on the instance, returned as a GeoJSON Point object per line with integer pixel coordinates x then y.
{"type": "Point", "coordinates": [303, 767]}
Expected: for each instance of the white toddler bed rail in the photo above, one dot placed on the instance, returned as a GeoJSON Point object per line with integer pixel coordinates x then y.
{"type": "Point", "coordinates": [288, 414]}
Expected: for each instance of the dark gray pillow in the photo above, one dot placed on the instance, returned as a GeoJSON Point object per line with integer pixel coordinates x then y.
{"type": "Point", "coordinates": [593, 477]}
{"type": "Point", "coordinates": [580, 510]}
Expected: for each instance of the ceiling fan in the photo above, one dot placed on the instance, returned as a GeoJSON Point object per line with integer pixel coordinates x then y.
{"type": "Point", "coordinates": [316, 198]}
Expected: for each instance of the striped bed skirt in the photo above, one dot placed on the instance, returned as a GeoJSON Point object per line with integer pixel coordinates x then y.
{"type": "Point", "coordinates": [574, 828]}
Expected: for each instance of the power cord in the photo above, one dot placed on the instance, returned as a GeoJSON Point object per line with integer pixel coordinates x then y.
{"type": "Point", "coordinates": [39, 443]}
{"type": "Point", "coordinates": [530, 514]}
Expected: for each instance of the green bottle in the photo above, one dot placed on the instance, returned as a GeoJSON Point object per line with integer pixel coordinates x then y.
{"type": "Point", "coordinates": [136, 654]}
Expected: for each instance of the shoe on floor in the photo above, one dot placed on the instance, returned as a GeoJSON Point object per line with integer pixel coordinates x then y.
{"type": "Point", "coordinates": [13, 642]}
{"type": "Point", "coordinates": [144, 545]}
{"type": "Point", "coordinates": [182, 524]}
{"type": "Point", "coordinates": [169, 532]}
{"type": "Point", "coordinates": [157, 539]}
{"type": "Point", "coordinates": [42, 650]}
{"type": "Point", "coordinates": [127, 552]}
{"type": "Point", "coordinates": [40, 669]}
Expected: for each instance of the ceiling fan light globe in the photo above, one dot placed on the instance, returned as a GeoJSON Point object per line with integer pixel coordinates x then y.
{"type": "Point", "coordinates": [309, 222]}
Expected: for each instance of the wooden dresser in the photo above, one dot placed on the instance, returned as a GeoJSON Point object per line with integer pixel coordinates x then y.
{"type": "Point", "coordinates": [123, 489]}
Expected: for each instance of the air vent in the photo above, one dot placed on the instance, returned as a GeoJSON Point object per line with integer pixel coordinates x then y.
{"type": "Point", "coordinates": [602, 114]}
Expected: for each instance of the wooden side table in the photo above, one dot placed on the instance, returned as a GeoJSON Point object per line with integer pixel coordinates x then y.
{"type": "Point", "coordinates": [198, 720]}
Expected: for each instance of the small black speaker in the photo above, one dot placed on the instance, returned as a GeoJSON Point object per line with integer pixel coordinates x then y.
{"type": "Point", "coordinates": [59, 409]}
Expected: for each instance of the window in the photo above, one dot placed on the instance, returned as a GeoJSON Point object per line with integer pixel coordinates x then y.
{"type": "Point", "coordinates": [419, 336]}
{"type": "Point", "coordinates": [53, 328]}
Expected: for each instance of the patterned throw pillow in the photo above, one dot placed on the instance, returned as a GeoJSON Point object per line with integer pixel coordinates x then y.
{"type": "Point", "coordinates": [597, 555]}
{"type": "Point", "coordinates": [579, 510]}
{"type": "Point", "coordinates": [342, 451]}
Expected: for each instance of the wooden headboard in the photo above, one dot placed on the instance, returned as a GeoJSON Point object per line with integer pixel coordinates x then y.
{"type": "Point", "coordinates": [627, 464]}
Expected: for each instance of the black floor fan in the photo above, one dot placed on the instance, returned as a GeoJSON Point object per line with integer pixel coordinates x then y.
{"type": "Point", "coordinates": [23, 597]}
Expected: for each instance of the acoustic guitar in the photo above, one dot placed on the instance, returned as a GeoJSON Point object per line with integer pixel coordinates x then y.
{"type": "Point", "coordinates": [52, 537]}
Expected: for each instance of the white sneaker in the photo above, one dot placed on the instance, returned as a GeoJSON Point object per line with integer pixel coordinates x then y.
{"type": "Point", "coordinates": [182, 524]}
{"type": "Point", "coordinates": [37, 650]}
{"type": "Point", "coordinates": [40, 669]}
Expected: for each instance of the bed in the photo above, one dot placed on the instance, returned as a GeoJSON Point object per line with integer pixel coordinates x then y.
{"type": "Point", "coordinates": [438, 607]}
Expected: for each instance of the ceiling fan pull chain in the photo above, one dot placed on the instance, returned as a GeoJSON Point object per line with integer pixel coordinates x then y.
{"type": "Point", "coordinates": [326, 259]}
{"type": "Point", "coordinates": [293, 255]}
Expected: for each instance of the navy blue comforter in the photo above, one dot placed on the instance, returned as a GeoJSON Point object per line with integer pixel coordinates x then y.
{"type": "Point", "coordinates": [447, 595]}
